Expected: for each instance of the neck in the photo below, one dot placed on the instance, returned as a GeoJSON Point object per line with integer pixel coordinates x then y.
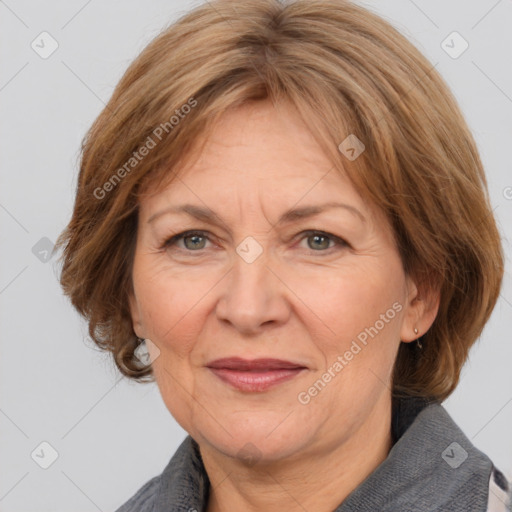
{"type": "Point", "coordinates": [320, 482]}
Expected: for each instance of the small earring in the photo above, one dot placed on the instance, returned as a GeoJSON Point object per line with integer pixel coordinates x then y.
{"type": "Point", "coordinates": [418, 342]}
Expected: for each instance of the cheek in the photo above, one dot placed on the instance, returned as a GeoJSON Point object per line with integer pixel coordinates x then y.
{"type": "Point", "coordinates": [348, 302]}
{"type": "Point", "coordinates": [172, 311]}
{"type": "Point", "coordinates": [170, 302]}
{"type": "Point", "coordinates": [362, 314]}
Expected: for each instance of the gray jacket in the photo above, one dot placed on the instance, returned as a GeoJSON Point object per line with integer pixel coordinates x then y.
{"type": "Point", "coordinates": [432, 466]}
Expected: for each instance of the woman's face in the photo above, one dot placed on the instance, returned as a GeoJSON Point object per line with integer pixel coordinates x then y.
{"type": "Point", "coordinates": [325, 292]}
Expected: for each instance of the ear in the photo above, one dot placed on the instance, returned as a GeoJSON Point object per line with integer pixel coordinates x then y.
{"type": "Point", "coordinates": [135, 314]}
{"type": "Point", "coordinates": [421, 309]}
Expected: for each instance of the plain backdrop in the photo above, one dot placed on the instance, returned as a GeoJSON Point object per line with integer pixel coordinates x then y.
{"type": "Point", "coordinates": [110, 435]}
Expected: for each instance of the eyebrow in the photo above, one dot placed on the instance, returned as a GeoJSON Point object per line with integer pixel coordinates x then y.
{"type": "Point", "coordinates": [288, 217]}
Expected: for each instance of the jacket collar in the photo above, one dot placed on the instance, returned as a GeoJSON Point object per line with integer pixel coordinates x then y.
{"type": "Point", "coordinates": [432, 466]}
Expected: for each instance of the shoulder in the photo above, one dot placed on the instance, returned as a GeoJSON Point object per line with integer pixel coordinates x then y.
{"type": "Point", "coordinates": [144, 499]}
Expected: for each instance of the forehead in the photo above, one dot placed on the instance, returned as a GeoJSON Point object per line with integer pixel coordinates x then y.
{"type": "Point", "coordinates": [255, 150]}
{"type": "Point", "coordinates": [261, 136]}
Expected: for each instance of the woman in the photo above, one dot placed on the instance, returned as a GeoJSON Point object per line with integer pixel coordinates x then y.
{"type": "Point", "coordinates": [283, 205]}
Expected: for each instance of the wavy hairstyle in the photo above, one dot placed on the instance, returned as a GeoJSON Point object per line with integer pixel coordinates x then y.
{"type": "Point", "coordinates": [347, 71]}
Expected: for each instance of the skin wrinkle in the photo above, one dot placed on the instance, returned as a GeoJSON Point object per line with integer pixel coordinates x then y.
{"type": "Point", "coordinates": [200, 308]}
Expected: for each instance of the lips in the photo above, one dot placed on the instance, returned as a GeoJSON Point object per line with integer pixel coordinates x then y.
{"type": "Point", "coordinates": [255, 375]}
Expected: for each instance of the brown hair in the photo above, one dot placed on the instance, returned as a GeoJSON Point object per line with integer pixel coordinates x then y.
{"type": "Point", "coordinates": [347, 71]}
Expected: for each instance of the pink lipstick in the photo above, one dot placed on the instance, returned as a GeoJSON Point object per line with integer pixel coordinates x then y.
{"type": "Point", "coordinates": [254, 375]}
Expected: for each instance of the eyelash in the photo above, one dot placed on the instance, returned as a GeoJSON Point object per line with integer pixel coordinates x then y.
{"type": "Point", "coordinates": [172, 241]}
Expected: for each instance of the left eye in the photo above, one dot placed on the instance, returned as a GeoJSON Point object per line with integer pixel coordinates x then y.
{"type": "Point", "coordinates": [194, 241]}
{"type": "Point", "coordinates": [319, 241]}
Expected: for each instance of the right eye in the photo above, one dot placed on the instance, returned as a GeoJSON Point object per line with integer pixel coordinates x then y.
{"type": "Point", "coordinates": [193, 241]}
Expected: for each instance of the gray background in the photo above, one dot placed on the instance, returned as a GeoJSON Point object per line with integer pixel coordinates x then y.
{"type": "Point", "coordinates": [112, 435]}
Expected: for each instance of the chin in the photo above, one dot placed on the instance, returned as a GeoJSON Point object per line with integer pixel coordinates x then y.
{"type": "Point", "coordinates": [256, 437]}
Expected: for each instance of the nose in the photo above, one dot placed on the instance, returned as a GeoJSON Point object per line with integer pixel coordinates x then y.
{"type": "Point", "coordinates": [254, 296]}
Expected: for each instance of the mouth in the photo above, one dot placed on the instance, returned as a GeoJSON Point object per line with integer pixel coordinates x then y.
{"type": "Point", "coordinates": [255, 375]}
